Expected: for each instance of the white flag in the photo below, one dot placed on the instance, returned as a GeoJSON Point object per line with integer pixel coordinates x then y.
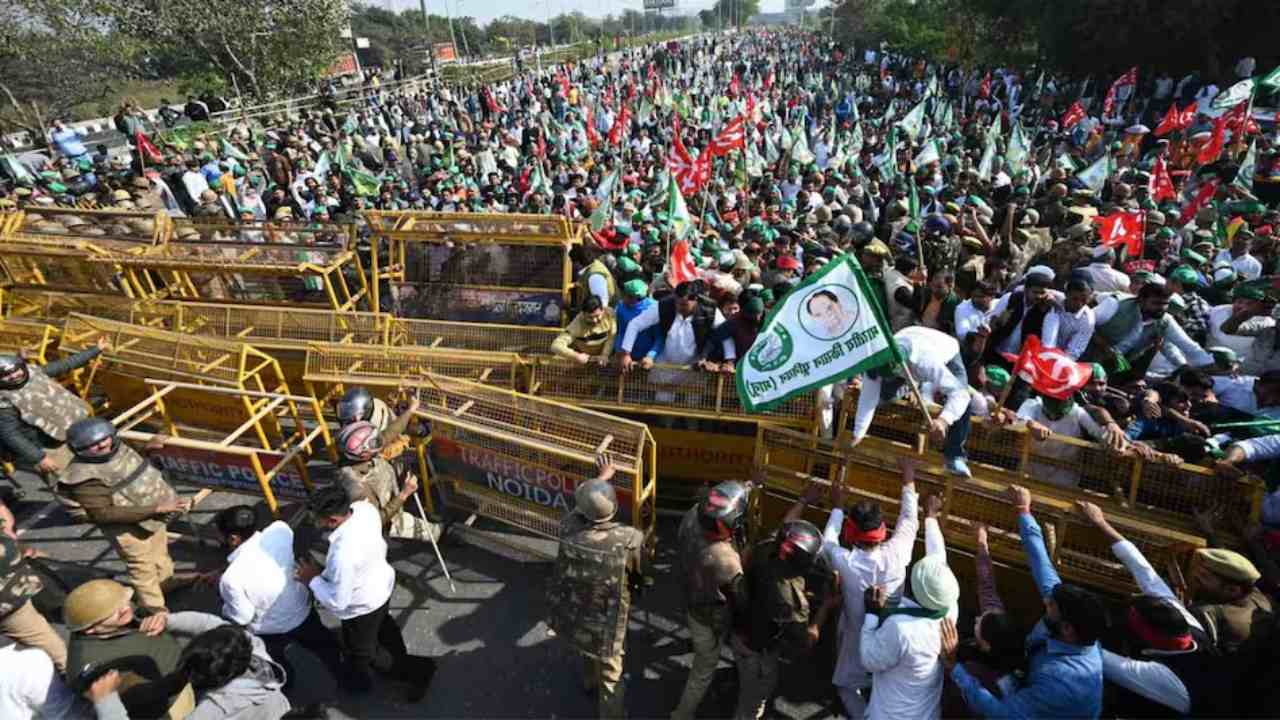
{"type": "Point", "coordinates": [1095, 176]}
{"type": "Point", "coordinates": [928, 154]}
{"type": "Point", "coordinates": [604, 202]}
{"type": "Point", "coordinates": [825, 330]}
{"type": "Point", "coordinates": [913, 122]}
{"type": "Point", "coordinates": [1244, 177]}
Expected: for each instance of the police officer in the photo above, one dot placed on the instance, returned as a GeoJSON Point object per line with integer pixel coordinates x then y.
{"type": "Point", "coordinates": [1227, 602]}
{"type": "Point", "coordinates": [779, 621]}
{"type": "Point", "coordinates": [598, 559]}
{"type": "Point", "coordinates": [107, 633]}
{"type": "Point", "coordinates": [111, 485]}
{"type": "Point", "coordinates": [35, 411]}
{"type": "Point", "coordinates": [367, 475]}
{"type": "Point", "coordinates": [19, 619]}
{"type": "Point", "coordinates": [359, 404]}
{"type": "Point", "coordinates": [710, 540]}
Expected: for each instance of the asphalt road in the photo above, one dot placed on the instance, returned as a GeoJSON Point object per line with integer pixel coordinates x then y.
{"type": "Point", "coordinates": [495, 659]}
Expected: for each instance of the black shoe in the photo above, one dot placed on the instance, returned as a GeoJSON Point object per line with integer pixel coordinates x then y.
{"type": "Point", "coordinates": [418, 672]}
{"type": "Point", "coordinates": [314, 710]}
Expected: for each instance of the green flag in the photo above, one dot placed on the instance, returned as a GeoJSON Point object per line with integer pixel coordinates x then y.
{"type": "Point", "coordinates": [1095, 176]}
{"type": "Point", "coordinates": [321, 170]}
{"type": "Point", "coordinates": [800, 145]}
{"type": "Point", "coordinates": [987, 163]}
{"type": "Point", "coordinates": [365, 184]}
{"type": "Point", "coordinates": [913, 201]}
{"type": "Point", "coordinates": [16, 170]}
{"type": "Point", "coordinates": [855, 139]}
{"type": "Point", "coordinates": [888, 162]}
{"type": "Point", "coordinates": [1244, 177]}
{"type": "Point", "coordinates": [538, 182]}
{"type": "Point", "coordinates": [678, 212]}
{"type": "Point", "coordinates": [1018, 148]}
{"type": "Point", "coordinates": [1233, 95]}
{"type": "Point", "coordinates": [604, 202]}
{"type": "Point", "coordinates": [1271, 80]}
{"type": "Point", "coordinates": [827, 329]}
{"type": "Point", "coordinates": [913, 122]}
{"type": "Point", "coordinates": [232, 151]}
{"type": "Point", "coordinates": [928, 154]}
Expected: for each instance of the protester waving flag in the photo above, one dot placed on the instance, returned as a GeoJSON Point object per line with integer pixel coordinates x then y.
{"type": "Point", "coordinates": [913, 122]}
{"type": "Point", "coordinates": [1161, 182]}
{"type": "Point", "coordinates": [1049, 371]}
{"type": "Point", "coordinates": [928, 154]}
{"type": "Point", "coordinates": [1171, 121]}
{"type": "Point", "coordinates": [1123, 228]}
{"type": "Point", "coordinates": [1095, 176]}
{"type": "Point", "coordinates": [148, 151]}
{"type": "Point", "coordinates": [1129, 79]}
{"type": "Point", "coordinates": [604, 202]}
{"type": "Point", "coordinates": [827, 329]}
{"type": "Point", "coordinates": [1202, 197]}
{"type": "Point", "coordinates": [987, 164]}
{"type": "Point", "coordinates": [1016, 155]}
{"type": "Point", "coordinates": [1248, 166]}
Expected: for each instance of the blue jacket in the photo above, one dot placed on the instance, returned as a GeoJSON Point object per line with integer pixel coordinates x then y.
{"type": "Point", "coordinates": [648, 342]}
{"type": "Point", "coordinates": [1063, 680]}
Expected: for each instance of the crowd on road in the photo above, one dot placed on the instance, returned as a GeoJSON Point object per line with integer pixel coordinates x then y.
{"type": "Point", "coordinates": [1128, 227]}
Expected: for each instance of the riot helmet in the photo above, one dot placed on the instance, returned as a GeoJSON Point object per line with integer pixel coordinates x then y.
{"type": "Point", "coordinates": [88, 432]}
{"type": "Point", "coordinates": [596, 500]}
{"type": "Point", "coordinates": [93, 602]}
{"type": "Point", "coordinates": [359, 441]}
{"type": "Point", "coordinates": [799, 543]}
{"type": "Point", "coordinates": [356, 404]}
{"type": "Point", "coordinates": [862, 232]}
{"type": "Point", "coordinates": [724, 509]}
{"type": "Point", "coordinates": [16, 366]}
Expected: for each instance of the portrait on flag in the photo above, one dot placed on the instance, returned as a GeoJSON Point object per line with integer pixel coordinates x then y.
{"type": "Point", "coordinates": [825, 330]}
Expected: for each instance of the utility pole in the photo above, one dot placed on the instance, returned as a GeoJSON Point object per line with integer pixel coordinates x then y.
{"type": "Point", "coordinates": [426, 25]}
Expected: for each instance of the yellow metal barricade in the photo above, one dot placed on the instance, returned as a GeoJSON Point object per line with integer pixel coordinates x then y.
{"type": "Point", "coordinates": [786, 460]}
{"type": "Point", "coordinates": [518, 459]}
{"type": "Point", "coordinates": [243, 273]}
{"type": "Point", "coordinates": [526, 340]}
{"type": "Point", "coordinates": [33, 304]}
{"type": "Point", "coordinates": [226, 461]}
{"type": "Point", "coordinates": [62, 266]}
{"type": "Point", "coordinates": [474, 267]}
{"type": "Point", "coordinates": [332, 368]}
{"type": "Point", "coordinates": [139, 359]}
{"type": "Point", "coordinates": [105, 226]}
{"type": "Point", "coordinates": [1070, 468]}
{"type": "Point", "coordinates": [34, 339]}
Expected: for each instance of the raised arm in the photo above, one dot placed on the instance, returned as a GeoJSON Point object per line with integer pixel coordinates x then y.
{"type": "Point", "coordinates": [1042, 569]}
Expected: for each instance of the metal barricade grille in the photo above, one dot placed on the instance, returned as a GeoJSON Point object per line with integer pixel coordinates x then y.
{"type": "Point", "coordinates": [486, 264]}
{"type": "Point", "coordinates": [406, 366]}
{"type": "Point", "coordinates": [54, 307]}
{"type": "Point", "coordinates": [145, 353]}
{"type": "Point", "coordinates": [133, 228]}
{"type": "Point", "coordinates": [521, 339]}
{"type": "Point", "coordinates": [661, 390]}
{"type": "Point", "coordinates": [273, 323]}
{"type": "Point", "coordinates": [63, 268]}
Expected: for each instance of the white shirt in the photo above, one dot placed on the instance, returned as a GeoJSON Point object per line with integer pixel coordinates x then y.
{"type": "Point", "coordinates": [195, 184]}
{"type": "Point", "coordinates": [1178, 348]}
{"type": "Point", "coordinates": [969, 318]}
{"type": "Point", "coordinates": [902, 654]}
{"type": "Point", "coordinates": [885, 564]}
{"type": "Point", "coordinates": [1048, 329]}
{"type": "Point", "coordinates": [926, 352]}
{"type": "Point", "coordinates": [681, 345]}
{"type": "Point", "coordinates": [357, 579]}
{"type": "Point", "coordinates": [1241, 344]}
{"type": "Point", "coordinates": [1144, 677]}
{"type": "Point", "coordinates": [258, 588]}
{"type": "Point", "coordinates": [31, 688]}
{"type": "Point", "coordinates": [1077, 424]}
{"type": "Point", "coordinates": [1247, 266]}
{"type": "Point", "coordinates": [1105, 278]}
{"type": "Point", "coordinates": [1075, 330]}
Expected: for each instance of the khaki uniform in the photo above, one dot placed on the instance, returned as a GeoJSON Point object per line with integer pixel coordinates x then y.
{"type": "Point", "coordinates": [19, 619]}
{"type": "Point", "coordinates": [590, 598]}
{"type": "Point", "coordinates": [44, 410]}
{"type": "Point", "coordinates": [707, 568]}
{"type": "Point", "coordinates": [120, 495]}
{"type": "Point", "coordinates": [376, 481]}
{"type": "Point", "coordinates": [1230, 625]}
{"type": "Point", "coordinates": [779, 621]}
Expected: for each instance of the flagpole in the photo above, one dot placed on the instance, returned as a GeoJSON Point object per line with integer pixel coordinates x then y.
{"type": "Point", "coordinates": [915, 393]}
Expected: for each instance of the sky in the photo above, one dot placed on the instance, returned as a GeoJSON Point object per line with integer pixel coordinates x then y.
{"type": "Point", "coordinates": [486, 10]}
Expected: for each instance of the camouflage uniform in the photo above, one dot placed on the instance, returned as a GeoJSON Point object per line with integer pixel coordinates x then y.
{"type": "Point", "coordinates": [34, 418]}
{"type": "Point", "coordinates": [589, 597]}
{"type": "Point", "coordinates": [941, 252]}
{"type": "Point", "coordinates": [707, 568]}
{"type": "Point", "coordinates": [779, 619]}
{"type": "Point", "coordinates": [375, 480]}
{"type": "Point", "coordinates": [19, 619]}
{"type": "Point", "coordinates": [120, 495]}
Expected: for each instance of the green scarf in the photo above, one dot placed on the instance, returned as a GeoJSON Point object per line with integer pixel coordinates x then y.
{"type": "Point", "coordinates": [920, 612]}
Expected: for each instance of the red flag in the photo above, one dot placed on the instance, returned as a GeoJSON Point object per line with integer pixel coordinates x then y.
{"type": "Point", "coordinates": [620, 124]}
{"type": "Point", "coordinates": [1049, 371]}
{"type": "Point", "coordinates": [1202, 198]}
{"type": "Point", "coordinates": [146, 149]}
{"type": "Point", "coordinates": [1188, 115]}
{"type": "Point", "coordinates": [593, 137]}
{"type": "Point", "coordinates": [1162, 182]}
{"type": "Point", "coordinates": [1210, 152]}
{"type": "Point", "coordinates": [564, 84]}
{"type": "Point", "coordinates": [680, 266]}
{"type": "Point", "coordinates": [1130, 78]}
{"type": "Point", "coordinates": [768, 81]}
{"type": "Point", "coordinates": [653, 72]}
{"type": "Point", "coordinates": [541, 149]}
{"type": "Point", "coordinates": [1238, 121]}
{"type": "Point", "coordinates": [1122, 228]}
{"type": "Point", "coordinates": [735, 87]}
{"type": "Point", "coordinates": [1073, 115]}
{"type": "Point", "coordinates": [984, 90]}
{"type": "Point", "coordinates": [732, 137]}
{"type": "Point", "coordinates": [1171, 121]}
{"type": "Point", "coordinates": [690, 174]}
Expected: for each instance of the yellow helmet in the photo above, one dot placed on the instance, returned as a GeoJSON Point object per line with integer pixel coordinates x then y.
{"type": "Point", "coordinates": [93, 602]}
